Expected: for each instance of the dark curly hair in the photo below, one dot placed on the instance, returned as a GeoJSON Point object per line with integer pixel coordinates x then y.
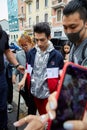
{"type": "Point", "coordinates": [42, 27]}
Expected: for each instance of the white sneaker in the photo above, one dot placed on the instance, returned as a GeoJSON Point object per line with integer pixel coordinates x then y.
{"type": "Point", "coordinates": [21, 100]}
{"type": "Point", "coordinates": [9, 108]}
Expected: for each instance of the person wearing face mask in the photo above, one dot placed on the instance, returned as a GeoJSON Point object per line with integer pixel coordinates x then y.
{"type": "Point", "coordinates": [76, 28]}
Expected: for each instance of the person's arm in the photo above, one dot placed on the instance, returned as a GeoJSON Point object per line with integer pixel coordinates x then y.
{"type": "Point", "coordinates": [10, 56]}
{"type": "Point", "coordinates": [22, 82]}
{"type": "Point", "coordinates": [13, 78]}
{"type": "Point", "coordinates": [15, 72]}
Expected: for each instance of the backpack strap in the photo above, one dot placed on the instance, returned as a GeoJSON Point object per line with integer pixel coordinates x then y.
{"type": "Point", "coordinates": [83, 51]}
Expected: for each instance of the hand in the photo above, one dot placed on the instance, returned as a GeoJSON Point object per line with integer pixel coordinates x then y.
{"type": "Point", "coordinates": [77, 124]}
{"type": "Point", "coordinates": [52, 105]}
{"type": "Point", "coordinates": [69, 125]}
{"type": "Point", "coordinates": [34, 122]}
{"type": "Point", "coordinates": [65, 61]}
{"type": "Point", "coordinates": [21, 69]}
{"type": "Point", "coordinates": [21, 84]}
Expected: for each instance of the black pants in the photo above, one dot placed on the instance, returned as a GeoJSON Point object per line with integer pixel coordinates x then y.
{"type": "Point", "coordinates": [29, 101]}
{"type": "Point", "coordinates": [10, 90]}
{"type": "Point", "coordinates": [3, 101]}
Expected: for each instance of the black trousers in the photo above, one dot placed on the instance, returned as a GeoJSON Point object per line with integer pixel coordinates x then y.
{"type": "Point", "coordinates": [29, 100]}
{"type": "Point", "coordinates": [3, 101]}
{"type": "Point", "coordinates": [10, 91]}
{"type": "Point", "coordinates": [10, 88]}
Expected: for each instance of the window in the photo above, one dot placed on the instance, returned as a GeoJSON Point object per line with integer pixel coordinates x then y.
{"type": "Point", "coordinates": [59, 14]}
{"type": "Point", "coordinates": [59, 1]}
{"type": "Point", "coordinates": [46, 18]}
{"type": "Point", "coordinates": [16, 36]}
{"type": "Point", "coordinates": [58, 34]}
{"type": "Point", "coordinates": [30, 7]}
{"type": "Point", "coordinates": [46, 3]}
{"type": "Point", "coordinates": [22, 23]}
{"type": "Point", "coordinates": [37, 19]}
{"type": "Point", "coordinates": [37, 4]}
{"type": "Point", "coordinates": [11, 36]}
{"type": "Point", "coordinates": [22, 9]}
{"type": "Point", "coordinates": [29, 22]}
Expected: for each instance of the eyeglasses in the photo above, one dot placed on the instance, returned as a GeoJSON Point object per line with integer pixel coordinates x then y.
{"type": "Point", "coordinates": [24, 45]}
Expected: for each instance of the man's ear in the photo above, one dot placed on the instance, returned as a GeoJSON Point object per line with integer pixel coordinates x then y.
{"type": "Point", "coordinates": [49, 37]}
{"type": "Point", "coordinates": [86, 24]}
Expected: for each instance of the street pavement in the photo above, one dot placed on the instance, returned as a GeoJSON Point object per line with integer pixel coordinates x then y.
{"type": "Point", "coordinates": [12, 117]}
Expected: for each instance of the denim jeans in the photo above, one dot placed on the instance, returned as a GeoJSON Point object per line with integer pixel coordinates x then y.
{"type": "Point", "coordinates": [3, 101]}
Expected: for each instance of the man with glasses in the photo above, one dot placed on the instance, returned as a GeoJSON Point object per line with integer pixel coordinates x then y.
{"type": "Point", "coordinates": [26, 43]}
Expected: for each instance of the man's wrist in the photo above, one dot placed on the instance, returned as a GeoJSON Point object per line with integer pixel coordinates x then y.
{"type": "Point", "coordinates": [16, 66]}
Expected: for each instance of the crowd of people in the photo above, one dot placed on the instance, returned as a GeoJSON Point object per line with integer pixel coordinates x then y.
{"type": "Point", "coordinates": [38, 66]}
{"type": "Point", "coordinates": [75, 30]}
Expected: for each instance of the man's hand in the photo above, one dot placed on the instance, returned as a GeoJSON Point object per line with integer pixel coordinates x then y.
{"type": "Point", "coordinates": [68, 125]}
{"type": "Point", "coordinates": [21, 69]}
{"type": "Point", "coordinates": [38, 122]}
{"type": "Point", "coordinates": [52, 105]}
{"type": "Point", "coordinates": [21, 84]}
{"type": "Point", "coordinates": [34, 122]}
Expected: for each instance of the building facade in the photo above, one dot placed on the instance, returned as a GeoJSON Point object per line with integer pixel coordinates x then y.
{"type": "Point", "coordinates": [23, 14]}
{"type": "Point", "coordinates": [37, 12]}
{"type": "Point", "coordinates": [57, 11]}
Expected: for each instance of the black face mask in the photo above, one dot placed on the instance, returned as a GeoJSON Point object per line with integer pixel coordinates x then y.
{"type": "Point", "coordinates": [74, 37]}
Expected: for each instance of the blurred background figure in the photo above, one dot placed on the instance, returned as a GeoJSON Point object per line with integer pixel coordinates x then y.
{"type": "Point", "coordinates": [9, 67]}
{"type": "Point", "coordinates": [66, 51]}
{"type": "Point", "coordinates": [26, 43]}
{"type": "Point", "coordinates": [8, 72]}
{"type": "Point", "coordinates": [14, 46]}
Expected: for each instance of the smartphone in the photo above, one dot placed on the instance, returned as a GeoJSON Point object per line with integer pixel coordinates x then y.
{"type": "Point", "coordinates": [71, 95]}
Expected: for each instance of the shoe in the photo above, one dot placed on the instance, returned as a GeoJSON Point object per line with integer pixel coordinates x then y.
{"type": "Point", "coordinates": [10, 108]}
{"type": "Point", "coordinates": [21, 100]}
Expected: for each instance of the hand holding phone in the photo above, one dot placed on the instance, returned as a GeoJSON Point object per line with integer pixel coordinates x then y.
{"type": "Point", "coordinates": [71, 95]}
